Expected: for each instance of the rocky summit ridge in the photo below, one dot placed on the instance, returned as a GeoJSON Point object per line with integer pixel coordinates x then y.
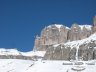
{"type": "Point", "coordinates": [56, 34]}
{"type": "Point", "coordinates": [64, 43]}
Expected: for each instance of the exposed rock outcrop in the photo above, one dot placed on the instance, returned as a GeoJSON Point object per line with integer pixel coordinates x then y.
{"type": "Point", "coordinates": [87, 51]}
{"type": "Point", "coordinates": [94, 25]}
{"type": "Point", "coordinates": [58, 34]}
{"type": "Point", "coordinates": [53, 34]}
{"type": "Point", "coordinates": [61, 52]}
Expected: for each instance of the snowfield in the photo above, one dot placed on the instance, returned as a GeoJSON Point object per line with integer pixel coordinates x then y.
{"type": "Point", "coordinates": [15, 65]}
{"type": "Point", "coordinates": [4, 51]}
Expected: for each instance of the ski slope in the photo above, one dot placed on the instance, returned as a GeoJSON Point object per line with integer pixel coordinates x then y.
{"type": "Point", "coordinates": [15, 65]}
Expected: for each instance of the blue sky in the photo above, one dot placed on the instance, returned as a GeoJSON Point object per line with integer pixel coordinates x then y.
{"type": "Point", "coordinates": [22, 20]}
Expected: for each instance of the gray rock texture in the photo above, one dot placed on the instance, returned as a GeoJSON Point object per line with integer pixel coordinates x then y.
{"type": "Point", "coordinates": [85, 52]}
{"type": "Point", "coordinates": [58, 34]}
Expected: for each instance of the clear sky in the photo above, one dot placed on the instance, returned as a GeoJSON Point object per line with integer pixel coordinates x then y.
{"type": "Point", "coordinates": [22, 20]}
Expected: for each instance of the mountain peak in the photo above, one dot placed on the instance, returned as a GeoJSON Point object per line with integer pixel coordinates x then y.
{"type": "Point", "coordinates": [58, 33]}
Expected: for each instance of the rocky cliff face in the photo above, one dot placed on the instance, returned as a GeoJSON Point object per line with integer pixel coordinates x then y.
{"type": "Point", "coordinates": [64, 43]}
{"type": "Point", "coordinates": [76, 50]}
{"type": "Point", "coordinates": [57, 34]}
{"type": "Point", "coordinates": [53, 34]}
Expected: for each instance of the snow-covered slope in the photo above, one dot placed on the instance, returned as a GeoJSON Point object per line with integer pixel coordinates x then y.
{"type": "Point", "coordinates": [88, 27]}
{"type": "Point", "coordinates": [14, 65]}
{"type": "Point", "coordinates": [33, 53]}
{"type": "Point", "coordinates": [80, 42]}
{"type": "Point", "coordinates": [59, 26]}
{"type": "Point", "coordinates": [4, 51]}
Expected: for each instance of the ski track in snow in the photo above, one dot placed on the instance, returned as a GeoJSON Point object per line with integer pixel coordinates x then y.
{"type": "Point", "coordinates": [15, 65]}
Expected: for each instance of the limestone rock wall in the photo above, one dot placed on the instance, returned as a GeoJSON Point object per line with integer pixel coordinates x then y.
{"type": "Point", "coordinates": [94, 25]}
{"type": "Point", "coordinates": [74, 33]}
{"type": "Point", "coordinates": [61, 52]}
{"type": "Point", "coordinates": [88, 51]}
{"type": "Point", "coordinates": [58, 34]}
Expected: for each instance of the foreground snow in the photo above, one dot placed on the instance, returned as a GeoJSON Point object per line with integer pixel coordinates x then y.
{"type": "Point", "coordinates": [14, 65]}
